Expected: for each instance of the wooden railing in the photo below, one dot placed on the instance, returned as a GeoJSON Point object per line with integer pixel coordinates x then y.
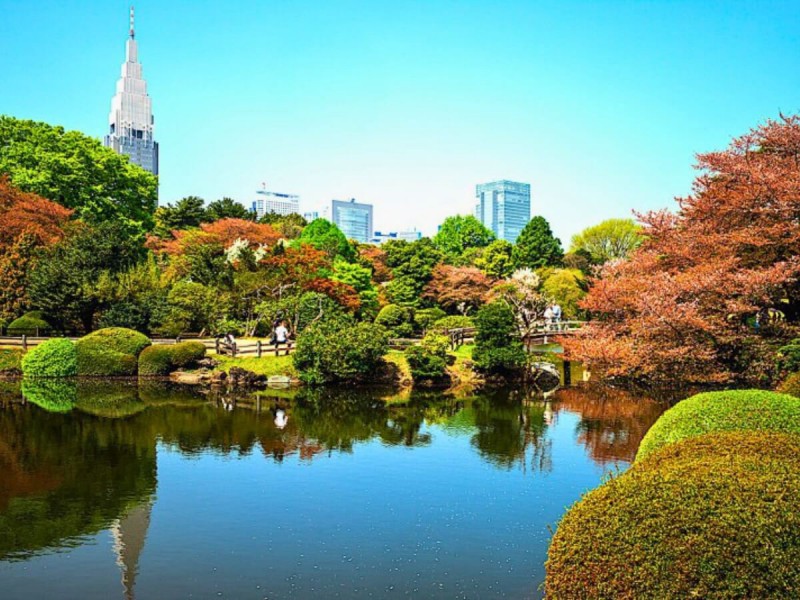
{"type": "Point", "coordinates": [256, 349]}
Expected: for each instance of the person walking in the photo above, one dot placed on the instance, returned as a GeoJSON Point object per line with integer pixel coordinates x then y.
{"type": "Point", "coordinates": [557, 315]}
{"type": "Point", "coordinates": [548, 317]}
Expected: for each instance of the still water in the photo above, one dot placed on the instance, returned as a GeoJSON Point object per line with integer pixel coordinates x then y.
{"type": "Point", "coordinates": [126, 491]}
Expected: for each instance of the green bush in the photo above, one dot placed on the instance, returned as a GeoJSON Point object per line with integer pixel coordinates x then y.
{"type": "Point", "coordinates": [397, 320]}
{"type": "Point", "coordinates": [53, 395]}
{"type": "Point", "coordinates": [425, 364]}
{"type": "Point", "coordinates": [10, 360]}
{"type": "Point", "coordinates": [105, 363]}
{"type": "Point", "coordinates": [498, 350]}
{"type": "Point", "coordinates": [714, 516]}
{"type": "Point", "coordinates": [733, 410]}
{"type": "Point", "coordinates": [339, 350]}
{"type": "Point", "coordinates": [117, 339]}
{"type": "Point", "coordinates": [53, 358]}
{"type": "Point", "coordinates": [163, 359]}
{"type": "Point", "coordinates": [32, 323]}
{"type": "Point", "coordinates": [788, 356]}
{"type": "Point", "coordinates": [425, 318]}
{"type": "Point", "coordinates": [453, 322]}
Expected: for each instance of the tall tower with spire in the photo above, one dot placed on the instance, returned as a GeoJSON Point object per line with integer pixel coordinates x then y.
{"type": "Point", "coordinates": [130, 122]}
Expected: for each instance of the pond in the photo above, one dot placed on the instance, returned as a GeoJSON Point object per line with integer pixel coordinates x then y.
{"type": "Point", "coordinates": [153, 491]}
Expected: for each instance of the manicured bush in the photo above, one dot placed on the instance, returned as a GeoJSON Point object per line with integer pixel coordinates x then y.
{"type": "Point", "coordinates": [788, 356]}
{"type": "Point", "coordinates": [426, 317]}
{"type": "Point", "coordinates": [790, 385]}
{"type": "Point", "coordinates": [733, 410]}
{"type": "Point", "coordinates": [53, 395]}
{"type": "Point", "coordinates": [498, 349]}
{"type": "Point", "coordinates": [32, 323]}
{"type": "Point", "coordinates": [339, 350]}
{"type": "Point", "coordinates": [397, 320]}
{"type": "Point", "coordinates": [716, 516]}
{"type": "Point", "coordinates": [453, 322]}
{"type": "Point", "coordinates": [163, 359]}
{"type": "Point", "coordinates": [425, 364]}
{"type": "Point", "coordinates": [53, 358]}
{"type": "Point", "coordinates": [10, 360]}
{"type": "Point", "coordinates": [118, 339]}
{"type": "Point", "coordinates": [105, 363]}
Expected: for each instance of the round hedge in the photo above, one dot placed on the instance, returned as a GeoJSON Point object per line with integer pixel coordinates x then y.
{"type": "Point", "coordinates": [105, 363]}
{"type": "Point", "coordinates": [715, 516]}
{"type": "Point", "coordinates": [163, 359]}
{"type": "Point", "coordinates": [29, 324]}
{"type": "Point", "coordinates": [54, 358]}
{"type": "Point", "coordinates": [117, 339]}
{"type": "Point", "coordinates": [734, 410]}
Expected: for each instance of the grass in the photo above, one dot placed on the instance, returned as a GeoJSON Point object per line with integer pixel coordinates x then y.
{"type": "Point", "coordinates": [10, 359]}
{"type": "Point", "coordinates": [266, 365]}
{"type": "Point", "coordinates": [398, 359]}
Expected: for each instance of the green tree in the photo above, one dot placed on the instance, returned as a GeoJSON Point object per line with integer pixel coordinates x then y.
{"type": "Point", "coordinates": [64, 282]}
{"type": "Point", "coordinates": [227, 208]}
{"type": "Point", "coordinates": [191, 307]}
{"type": "Point", "coordinates": [496, 260]}
{"type": "Point", "coordinates": [412, 266]}
{"type": "Point", "coordinates": [498, 349]}
{"type": "Point", "coordinates": [567, 287]}
{"type": "Point", "coordinates": [459, 233]}
{"type": "Point", "coordinates": [187, 212]}
{"type": "Point", "coordinates": [536, 246]}
{"type": "Point", "coordinates": [610, 240]}
{"type": "Point", "coordinates": [326, 236]}
{"type": "Point", "coordinates": [78, 172]}
{"type": "Point", "coordinates": [289, 226]}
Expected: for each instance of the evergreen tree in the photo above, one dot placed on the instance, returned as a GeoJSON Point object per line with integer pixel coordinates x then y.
{"type": "Point", "coordinates": [536, 246]}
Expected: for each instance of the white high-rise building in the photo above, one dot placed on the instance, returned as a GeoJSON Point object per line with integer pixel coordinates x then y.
{"type": "Point", "coordinates": [504, 207]}
{"type": "Point", "coordinates": [130, 122]}
{"type": "Point", "coordinates": [273, 202]}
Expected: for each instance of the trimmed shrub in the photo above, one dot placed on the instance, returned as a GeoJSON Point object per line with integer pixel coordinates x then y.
{"type": "Point", "coordinates": [105, 363]}
{"type": "Point", "coordinates": [425, 318]}
{"type": "Point", "coordinates": [340, 350]}
{"type": "Point", "coordinates": [714, 516]}
{"type": "Point", "coordinates": [790, 385]}
{"type": "Point", "coordinates": [164, 359]}
{"type": "Point", "coordinates": [425, 364]}
{"type": "Point", "coordinates": [453, 322]}
{"type": "Point", "coordinates": [788, 357]}
{"type": "Point", "coordinates": [397, 320]}
{"type": "Point", "coordinates": [31, 323]}
{"type": "Point", "coordinates": [117, 339]}
{"type": "Point", "coordinates": [498, 349]}
{"type": "Point", "coordinates": [53, 358]}
{"type": "Point", "coordinates": [734, 410]}
{"type": "Point", "coordinates": [11, 360]}
{"type": "Point", "coordinates": [53, 395]}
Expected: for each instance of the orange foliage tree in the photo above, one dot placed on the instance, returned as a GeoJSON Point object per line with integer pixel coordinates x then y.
{"type": "Point", "coordinates": [458, 288]}
{"type": "Point", "coordinates": [683, 307]}
{"type": "Point", "coordinates": [223, 232]}
{"type": "Point", "coordinates": [27, 222]}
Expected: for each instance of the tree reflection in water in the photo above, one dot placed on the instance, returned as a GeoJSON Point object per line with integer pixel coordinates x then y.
{"type": "Point", "coordinates": [612, 421]}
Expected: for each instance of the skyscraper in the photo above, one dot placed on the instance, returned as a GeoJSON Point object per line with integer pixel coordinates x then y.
{"type": "Point", "coordinates": [504, 207]}
{"type": "Point", "coordinates": [353, 218]}
{"type": "Point", "coordinates": [130, 122]}
{"type": "Point", "coordinates": [273, 202]}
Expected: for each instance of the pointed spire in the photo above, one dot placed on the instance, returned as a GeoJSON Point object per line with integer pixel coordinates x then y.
{"type": "Point", "coordinates": [133, 35]}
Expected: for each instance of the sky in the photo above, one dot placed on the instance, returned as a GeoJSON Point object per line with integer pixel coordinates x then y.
{"type": "Point", "coordinates": [600, 105]}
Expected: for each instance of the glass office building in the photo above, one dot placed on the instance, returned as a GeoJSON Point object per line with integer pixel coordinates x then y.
{"type": "Point", "coordinates": [353, 218]}
{"type": "Point", "coordinates": [504, 207]}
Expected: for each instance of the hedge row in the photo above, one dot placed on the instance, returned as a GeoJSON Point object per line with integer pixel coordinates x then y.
{"type": "Point", "coordinates": [162, 360]}
{"type": "Point", "coordinates": [715, 516]}
{"type": "Point", "coordinates": [734, 410]}
{"type": "Point", "coordinates": [710, 509]}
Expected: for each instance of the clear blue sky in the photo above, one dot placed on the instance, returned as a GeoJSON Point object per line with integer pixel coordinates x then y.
{"type": "Point", "coordinates": [601, 106]}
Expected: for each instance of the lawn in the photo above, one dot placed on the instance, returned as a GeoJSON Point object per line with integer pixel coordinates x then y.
{"type": "Point", "coordinates": [266, 365]}
{"type": "Point", "coordinates": [10, 359]}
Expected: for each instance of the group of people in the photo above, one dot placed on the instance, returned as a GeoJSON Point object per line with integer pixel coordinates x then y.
{"type": "Point", "coordinates": [280, 335]}
{"type": "Point", "coordinates": [552, 316]}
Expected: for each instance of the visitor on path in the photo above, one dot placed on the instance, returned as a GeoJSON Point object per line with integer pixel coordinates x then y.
{"type": "Point", "coordinates": [281, 334]}
{"type": "Point", "coordinates": [557, 315]}
{"type": "Point", "coordinates": [230, 340]}
{"type": "Point", "coordinates": [548, 317]}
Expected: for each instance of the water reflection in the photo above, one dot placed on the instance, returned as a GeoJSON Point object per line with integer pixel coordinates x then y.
{"type": "Point", "coordinates": [80, 458]}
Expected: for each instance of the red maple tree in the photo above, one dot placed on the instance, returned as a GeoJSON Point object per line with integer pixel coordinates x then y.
{"type": "Point", "coordinates": [458, 288]}
{"type": "Point", "coordinates": [22, 213]}
{"type": "Point", "coordinates": [223, 232]}
{"type": "Point", "coordinates": [683, 307]}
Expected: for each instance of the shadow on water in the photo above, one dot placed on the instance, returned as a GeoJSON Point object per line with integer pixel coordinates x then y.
{"type": "Point", "coordinates": [77, 458]}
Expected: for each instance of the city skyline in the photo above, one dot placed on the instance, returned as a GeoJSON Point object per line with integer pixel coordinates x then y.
{"type": "Point", "coordinates": [601, 108]}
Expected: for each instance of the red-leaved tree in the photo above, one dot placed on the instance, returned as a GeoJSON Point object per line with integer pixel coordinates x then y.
{"type": "Point", "coordinates": [458, 288]}
{"type": "Point", "coordinates": [683, 308]}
